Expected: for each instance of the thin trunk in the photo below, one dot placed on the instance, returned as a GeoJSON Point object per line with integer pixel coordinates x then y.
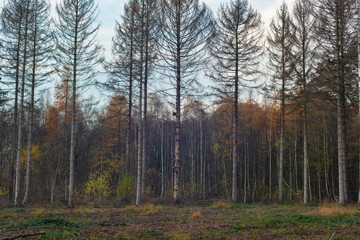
{"type": "Point", "coordinates": [295, 159]}
{"type": "Point", "coordinates": [270, 160]}
{"type": "Point", "coordinates": [73, 117]}
{"type": "Point", "coordinates": [162, 160]}
{"type": "Point", "coordinates": [178, 106]}
{"type": "Point", "coordinates": [234, 195]}
{"type": "Point", "coordinates": [15, 127]}
{"type": "Point", "coordinates": [140, 139]}
{"type": "Point", "coordinates": [21, 117]}
{"type": "Point", "coordinates": [31, 122]}
{"type": "Point", "coordinates": [282, 130]}
{"type": "Point", "coordinates": [52, 191]}
{"type": "Point", "coordinates": [309, 184]}
{"type": "Point", "coordinates": [306, 161]}
{"type": "Point", "coordinates": [359, 94]}
{"type": "Point", "coordinates": [128, 133]}
{"type": "Point", "coordinates": [202, 162]}
{"type": "Point", "coordinates": [340, 124]}
{"type": "Point", "coordinates": [326, 158]}
{"type": "Point", "coordinates": [290, 173]}
{"type": "Point", "coordinates": [146, 73]}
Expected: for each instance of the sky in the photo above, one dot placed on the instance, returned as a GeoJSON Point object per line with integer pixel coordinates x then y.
{"type": "Point", "coordinates": [111, 10]}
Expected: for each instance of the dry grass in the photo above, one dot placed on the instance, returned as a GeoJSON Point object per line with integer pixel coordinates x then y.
{"type": "Point", "coordinates": [37, 213]}
{"type": "Point", "coordinates": [221, 205]}
{"type": "Point", "coordinates": [149, 209]}
{"type": "Point", "coordinates": [196, 214]}
{"type": "Point", "coordinates": [131, 208]}
{"type": "Point", "coordinates": [333, 211]}
{"type": "Point", "coordinates": [180, 236]}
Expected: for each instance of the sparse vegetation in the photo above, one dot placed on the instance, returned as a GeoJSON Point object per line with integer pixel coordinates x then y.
{"type": "Point", "coordinates": [248, 221]}
{"type": "Point", "coordinates": [221, 205]}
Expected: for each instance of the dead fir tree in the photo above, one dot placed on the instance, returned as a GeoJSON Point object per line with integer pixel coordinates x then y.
{"type": "Point", "coordinates": [78, 53]}
{"type": "Point", "coordinates": [305, 56]}
{"type": "Point", "coordinates": [237, 50]}
{"type": "Point", "coordinates": [41, 46]}
{"type": "Point", "coordinates": [280, 41]}
{"type": "Point", "coordinates": [187, 26]}
{"type": "Point", "coordinates": [335, 20]}
{"type": "Point", "coordinates": [12, 18]}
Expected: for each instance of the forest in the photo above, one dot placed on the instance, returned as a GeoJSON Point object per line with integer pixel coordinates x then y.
{"type": "Point", "coordinates": [199, 105]}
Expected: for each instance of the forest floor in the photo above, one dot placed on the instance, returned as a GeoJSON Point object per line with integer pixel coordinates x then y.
{"type": "Point", "coordinates": [220, 220]}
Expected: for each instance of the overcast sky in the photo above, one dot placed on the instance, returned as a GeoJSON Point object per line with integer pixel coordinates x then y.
{"type": "Point", "coordinates": [110, 10]}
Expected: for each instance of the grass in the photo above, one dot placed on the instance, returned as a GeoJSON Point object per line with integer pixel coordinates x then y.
{"type": "Point", "coordinates": [221, 220]}
{"type": "Point", "coordinates": [334, 211]}
{"type": "Point", "coordinates": [196, 214]}
{"type": "Point", "coordinates": [221, 205]}
{"type": "Point", "coordinates": [148, 209]}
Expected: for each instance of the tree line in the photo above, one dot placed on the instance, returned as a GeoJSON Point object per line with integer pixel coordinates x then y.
{"type": "Point", "coordinates": [160, 135]}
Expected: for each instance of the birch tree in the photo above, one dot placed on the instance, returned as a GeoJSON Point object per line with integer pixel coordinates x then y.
{"type": "Point", "coordinates": [77, 52]}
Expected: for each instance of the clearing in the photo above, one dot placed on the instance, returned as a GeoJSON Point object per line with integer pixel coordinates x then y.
{"type": "Point", "coordinates": [220, 220]}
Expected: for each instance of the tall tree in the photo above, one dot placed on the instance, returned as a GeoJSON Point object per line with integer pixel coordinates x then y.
{"type": "Point", "coordinates": [187, 26]}
{"type": "Point", "coordinates": [237, 49]}
{"type": "Point", "coordinates": [151, 31]}
{"type": "Point", "coordinates": [41, 47]}
{"type": "Point", "coordinates": [122, 66]}
{"type": "Point", "coordinates": [304, 58]}
{"type": "Point", "coordinates": [335, 36]}
{"type": "Point", "coordinates": [12, 18]}
{"type": "Point", "coordinates": [77, 53]}
{"type": "Point", "coordinates": [22, 99]}
{"type": "Point", "coordinates": [280, 42]}
{"type": "Point", "coordinates": [358, 29]}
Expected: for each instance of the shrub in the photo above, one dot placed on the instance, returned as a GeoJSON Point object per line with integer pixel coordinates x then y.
{"type": "Point", "coordinates": [126, 188]}
{"type": "Point", "coordinates": [98, 186]}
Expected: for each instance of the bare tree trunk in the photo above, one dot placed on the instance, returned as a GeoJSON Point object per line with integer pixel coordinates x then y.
{"type": "Point", "coordinates": [295, 159]}
{"type": "Point", "coordinates": [282, 129]}
{"type": "Point", "coordinates": [21, 117]}
{"type": "Point", "coordinates": [52, 190]}
{"type": "Point", "coordinates": [341, 135]}
{"type": "Point", "coordinates": [162, 160]}
{"type": "Point", "coordinates": [178, 108]}
{"type": "Point", "coordinates": [306, 178]}
{"type": "Point", "coordinates": [31, 123]}
{"type": "Point", "coordinates": [15, 127]}
{"type": "Point", "coordinates": [73, 119]}
{"type": "Point", "coordinates": [144, 153]}
{"type": "Point", "coordinates": [140, 139]}
{"type": "Point", "coordinates": [359, 93]}
{"type": "Point", "coordinates": [270, 159]}
{"type": "Point", "coordinates": [234, 195]}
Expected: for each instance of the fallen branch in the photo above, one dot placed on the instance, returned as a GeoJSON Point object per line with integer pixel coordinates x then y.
{"type": "Point", "coordinates": [332, 236]}
{"type": "Point", "coordinates": [23, 235]}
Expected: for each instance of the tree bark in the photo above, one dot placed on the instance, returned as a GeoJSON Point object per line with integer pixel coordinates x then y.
{"type": "Point", "coordinates": [73, 116]}
{"type": "Point", "coordinates": [31, 122]}
{"type": "Point", "coordinates": [21, 117]}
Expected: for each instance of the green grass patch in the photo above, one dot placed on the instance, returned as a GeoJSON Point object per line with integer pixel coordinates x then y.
{"type": "Point", "coordinates": [42, 223]}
